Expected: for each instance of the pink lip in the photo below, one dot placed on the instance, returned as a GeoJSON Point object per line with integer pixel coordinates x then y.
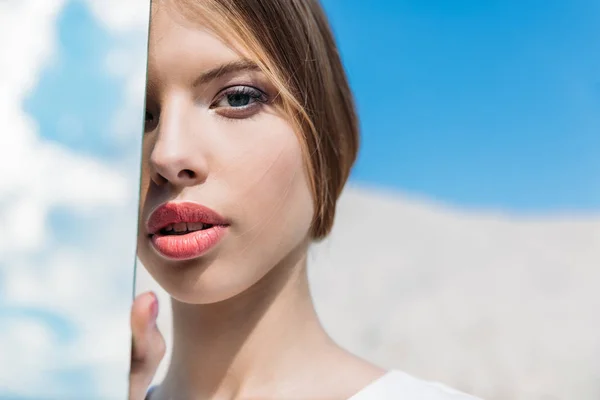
{"type": "Point", "coordinates": [190, 245]}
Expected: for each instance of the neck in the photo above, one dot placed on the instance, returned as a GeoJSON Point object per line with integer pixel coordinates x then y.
{"type": "Point", "coordinates": [248, 345]}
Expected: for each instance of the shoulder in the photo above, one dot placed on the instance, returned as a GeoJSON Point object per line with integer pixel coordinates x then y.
{"type": "Point", "coordinates": [397, 384]}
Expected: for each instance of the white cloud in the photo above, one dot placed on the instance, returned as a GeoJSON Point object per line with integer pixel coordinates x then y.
{"type": "Point", "coordinates": [128, 60]}
{"type": "Point", "coordinates": [122, 17]}
{"type": "Point", "coordinates": [37, 338]}
{"type": "Point", "coordinates": [89, 287]}
{"type": "Point", "coordinates": [27, 51]}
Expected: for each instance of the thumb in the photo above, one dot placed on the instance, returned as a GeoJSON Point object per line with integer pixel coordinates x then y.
{"type": "Point", "coordinates": [148, 346]}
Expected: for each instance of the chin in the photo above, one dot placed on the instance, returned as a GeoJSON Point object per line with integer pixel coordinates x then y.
{"type": "Point", "coordinates": [212, 295]}
{"type": "Point", "coordinates": [205, 280]}
{"type": "Point", "coordinates": [211, 288]}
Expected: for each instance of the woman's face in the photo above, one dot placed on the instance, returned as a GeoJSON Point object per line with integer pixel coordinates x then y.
{"type": "Point", "coordinates": [213, 140]}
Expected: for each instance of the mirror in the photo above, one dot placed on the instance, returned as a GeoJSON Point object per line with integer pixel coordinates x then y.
{"type": "Point", "coordinates": [71, 88]}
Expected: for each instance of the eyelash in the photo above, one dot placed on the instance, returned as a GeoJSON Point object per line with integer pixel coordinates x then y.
{"type": "Point", "coordinates": [258, 97]}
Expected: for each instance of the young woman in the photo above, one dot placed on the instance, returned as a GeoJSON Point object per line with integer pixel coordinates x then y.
{"type": "Point", "coordinates": [250, 136]}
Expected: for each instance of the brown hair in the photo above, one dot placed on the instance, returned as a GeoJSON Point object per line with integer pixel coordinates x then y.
{"type": "Point", "coordinates": [293, 44]}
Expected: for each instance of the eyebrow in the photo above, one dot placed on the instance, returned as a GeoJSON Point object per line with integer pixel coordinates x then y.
{"type": "Point", "coordinates": [226, 69]}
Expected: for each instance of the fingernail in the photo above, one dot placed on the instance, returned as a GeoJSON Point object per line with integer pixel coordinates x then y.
{"type": "Point", "coordinates": [153, 308]}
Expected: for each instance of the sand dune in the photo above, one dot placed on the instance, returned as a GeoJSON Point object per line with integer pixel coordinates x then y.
{"type": "Point", "coordinates": [500, 306]}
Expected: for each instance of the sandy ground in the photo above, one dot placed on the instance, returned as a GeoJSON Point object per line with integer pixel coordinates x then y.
{"type": "Point", "coordinates": [499, 306]}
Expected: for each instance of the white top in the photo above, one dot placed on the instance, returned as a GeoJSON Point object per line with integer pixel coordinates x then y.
{"type": "Point", "coordinates": [397, 385]}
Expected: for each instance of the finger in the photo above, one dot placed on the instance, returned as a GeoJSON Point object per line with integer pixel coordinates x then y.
{"type": "Point", "coordinates": [148, 346]}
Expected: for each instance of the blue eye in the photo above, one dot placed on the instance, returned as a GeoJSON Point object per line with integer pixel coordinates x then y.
{"type": "Point", "coordinates": [240, 97]}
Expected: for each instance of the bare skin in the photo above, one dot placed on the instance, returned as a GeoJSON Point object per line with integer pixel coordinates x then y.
{"type": "Point", "coordinates": [148, 347]}
{"type": "Point", "coordinates": [312, 368]}
{"type": "Point", "coordinates": [245, 326]}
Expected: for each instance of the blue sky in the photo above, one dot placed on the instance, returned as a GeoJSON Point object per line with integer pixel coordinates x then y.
{"type": "Point", "coordinates": [477, 103]}
{"type": "Point", "coordinates": [76, 89]}
{"type": "Point", "coordinates": [76, 101]}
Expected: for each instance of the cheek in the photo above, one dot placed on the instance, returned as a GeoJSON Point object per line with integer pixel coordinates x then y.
{"type": "Point", "coordinates": [268, 180]}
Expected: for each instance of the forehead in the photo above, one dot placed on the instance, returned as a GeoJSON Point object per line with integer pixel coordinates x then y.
{"type": "Point", "coordinates": [173, 34]}
{"type": "Point", "coordinates": [177, 44]}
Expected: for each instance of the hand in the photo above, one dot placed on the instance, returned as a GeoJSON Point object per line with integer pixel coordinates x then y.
{"type": "Point", "coordinates": [148, 345]}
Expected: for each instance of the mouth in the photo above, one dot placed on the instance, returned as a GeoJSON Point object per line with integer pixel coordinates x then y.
{"type": "Point", "coordinates": [183, 231]}
{"type": "Point", "coordinates": [183, 228]}
{"type": "Point", "coordinates": [180, 218]}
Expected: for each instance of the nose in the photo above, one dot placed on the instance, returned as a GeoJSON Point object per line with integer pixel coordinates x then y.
{"type": "Point", "coordinates": [176, 157]}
